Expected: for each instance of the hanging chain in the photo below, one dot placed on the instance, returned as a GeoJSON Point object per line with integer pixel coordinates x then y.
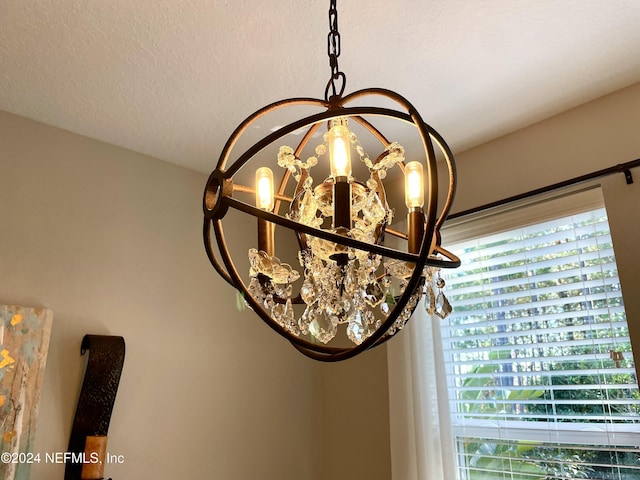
{"type": "Point", "coordinates": [333, 50]}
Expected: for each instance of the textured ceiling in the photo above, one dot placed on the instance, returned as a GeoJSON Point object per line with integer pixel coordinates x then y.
{"type": "Point", "coordinates": [172, 78]}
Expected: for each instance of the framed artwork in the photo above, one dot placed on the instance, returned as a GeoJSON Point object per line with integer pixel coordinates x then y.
{"type": "Point", "coordinates": [24, 341]}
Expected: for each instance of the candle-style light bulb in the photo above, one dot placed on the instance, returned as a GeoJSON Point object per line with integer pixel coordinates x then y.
{"type": "Point", "coordinates": [413, 185]}
{"type": "Point", "coordinates": [339, 148]}
{"type": "Point", "coordinates": [265, 201]}
{"type": "Point", "coordinates": [414, 199]}
{"type": "Point", "coordinates": [264, 189]}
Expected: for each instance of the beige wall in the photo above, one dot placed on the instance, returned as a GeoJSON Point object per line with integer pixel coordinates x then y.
{"type": "Point", "coordinates": [596, 135]}
{"type": "Point", "coordinates": [111, 241]}
{"type": "Point", "coordinates": [623, 207]}
{"type": "Point", "coordinates": [355, 426]}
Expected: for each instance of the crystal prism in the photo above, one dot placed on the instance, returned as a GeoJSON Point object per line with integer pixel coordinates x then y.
{"type": "Point", "coordinates": [306, 318]}
{"type": "Point", "coordinates": [399, 269]}
{"type": "Point", "coordinates": [429, 300]}
{"type": "Point", "coordinates": [262, 263]}
{"type": "Point", "coordinates": [324, 327]}
{"type": "Point", "coordinates": [356, 332]}
{"type": "Point", "coordinates": [289, 318]}
{"type": "Point", "coordinates": [442, 307]}
{"type": "Point", "coordinates": [307, 292]}
{"type": "Point", "coordinates": [277, 312]}
{"type": "Point", "coordinates": [373, 294]}
{"type": "Point", "coordinates": [255, 290]}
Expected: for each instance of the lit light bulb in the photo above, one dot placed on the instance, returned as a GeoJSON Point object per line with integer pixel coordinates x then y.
{"type": "Point", "coordinates": [413, 185]}
{"type": "Point", "coordinates": [264, 189]}
{"type": "Point", "coordinates": [339, 148]}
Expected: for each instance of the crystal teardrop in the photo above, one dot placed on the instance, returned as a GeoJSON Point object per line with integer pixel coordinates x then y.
{"type": "Point", "coordinates": [356, 332]}
{"type": "Point", "coordinates": [429, 300]}
{"type": "Point", "coordinates": [443, 307]}
{"type": "Point", "coordinates": [323, 327]}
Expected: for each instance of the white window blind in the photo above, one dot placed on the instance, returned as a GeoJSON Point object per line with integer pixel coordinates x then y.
{"type": "Point", "coordinates": [541, 376]}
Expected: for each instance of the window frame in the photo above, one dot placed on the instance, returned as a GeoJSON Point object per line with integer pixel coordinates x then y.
{"type": "Point", "coordinates": [540, 209]}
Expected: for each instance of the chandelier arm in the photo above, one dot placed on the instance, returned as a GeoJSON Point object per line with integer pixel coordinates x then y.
{"type": "Point", "coordinates": [214, 261]}
{"type": "Point", "coordinates": [319, 233]}
{"type": "Point", "coordinates": [240, 129]}
{"type": "Point", "coordinates": [247, 189]}
{"type": "Point", "coordinates": [396, 233]}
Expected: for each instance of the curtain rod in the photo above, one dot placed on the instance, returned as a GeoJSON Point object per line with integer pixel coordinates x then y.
{"type": "Point", "coordinates": [620, 168]}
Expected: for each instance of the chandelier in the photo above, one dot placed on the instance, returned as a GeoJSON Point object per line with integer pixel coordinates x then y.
{"type": "Point", "coordinates": [344, 291]}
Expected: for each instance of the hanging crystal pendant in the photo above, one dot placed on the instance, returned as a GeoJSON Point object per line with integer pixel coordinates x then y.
{"type": "Point", "coordinates": [442, 306]}
{"type": "Point", "coordinates": [324, 327]}
{"type": "Point", "coordinates": [305, 320]}
{"type": "Point", "coordinates": [356, 331]}
{"type": "Point", "coordinates": [429, 299]}
{"type": "Point", "coordinates": [289, 318]}
{"type": "Point", "coordinates": [374, 294]}
{"type": "Point", "coordinates": [308, 292]}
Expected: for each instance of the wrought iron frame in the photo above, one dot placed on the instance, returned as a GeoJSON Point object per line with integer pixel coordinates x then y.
{"type": "Point", "coordinates": [218, 198]}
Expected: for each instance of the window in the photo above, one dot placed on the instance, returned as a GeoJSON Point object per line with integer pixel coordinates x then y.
{"type": "Point", "coordinates": [540, 372]}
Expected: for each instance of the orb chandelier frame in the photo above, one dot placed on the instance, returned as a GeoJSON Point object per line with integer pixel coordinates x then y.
{"type": "Point", "coordinates": [341, 248]}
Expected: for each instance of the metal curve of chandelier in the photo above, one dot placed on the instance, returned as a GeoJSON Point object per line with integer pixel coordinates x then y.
{"type": "Point", "coordinates": [350, 283]}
